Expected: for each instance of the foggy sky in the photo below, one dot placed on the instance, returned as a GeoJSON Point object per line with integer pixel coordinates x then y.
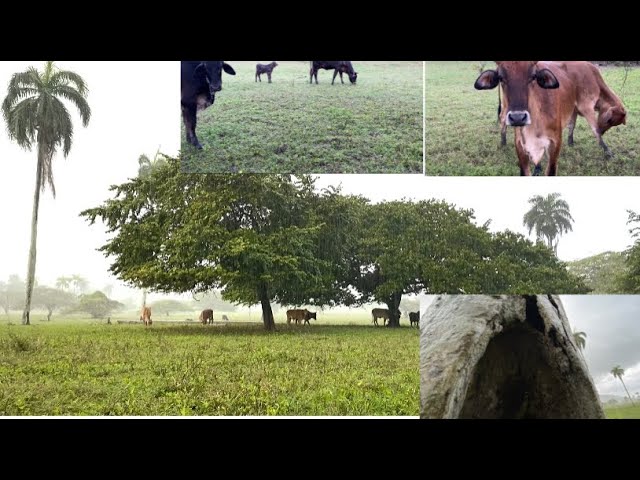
{"type": "Point", "coordinates": [612, 325]}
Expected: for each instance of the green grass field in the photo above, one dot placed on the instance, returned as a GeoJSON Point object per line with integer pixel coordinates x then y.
{"type": "Point", "coordinates": [625, 411]}
{"type": "Point", "coordinates": [463, 135]}
{"type": "Point", "coordinates": [290, 126]}
{"type": "Point", "coordinates": [83, 367]}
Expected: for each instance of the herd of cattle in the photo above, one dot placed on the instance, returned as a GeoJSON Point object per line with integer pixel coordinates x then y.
{"type": "Point", "coordinates": [200, 81]}
{"type": "Point", "coordinates": [545, 97]}
{"type": "Point", "coordinates": [299, 316]}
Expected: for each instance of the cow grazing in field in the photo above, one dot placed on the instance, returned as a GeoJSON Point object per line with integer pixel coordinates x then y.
{"type": "Point", "coordinates": [199, 83]}
{"type": "Point", "coordinates": [593, 96]}
{"type": "Point", "coordinates": [206, 316]}
{"type": "Point", "coordinates": [225, 318]}
{"type": "Point", "coordinates": [339, 67]}
{"type": "Point", "coordinates": [414, 317]}
{"type": "Point", "coordinates": [595, 101]}
{"type": "Point", "coordinates": [300, 316]}
{"type": "Point", "coordinates": [377, 313]}
{"type": "Point", "coordinates": [145, 316]}
{"type": "Point", "coordinates": [268, 69]}
{"type": "Point", "coordinates": [540, 99]}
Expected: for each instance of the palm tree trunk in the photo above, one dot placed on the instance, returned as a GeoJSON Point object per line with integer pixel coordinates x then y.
{"type": "Point", "coordinates": [31, 268]}
{"type": "Point", "coordinates": [625, 389]}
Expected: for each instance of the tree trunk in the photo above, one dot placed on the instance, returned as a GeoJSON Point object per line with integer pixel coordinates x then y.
{"type": "Point", "coordinates": [625, 389]}
{"type": "Point", "coordinates": [31, 268]}
{"type": "Point", "coordinates": [393, 304]}
{"type": "Point", "coordinates": [49, 315]}
{"type": "Point", "coordinates": [267, 313]}
{"type": "Point", "coordinates": [144, 298]}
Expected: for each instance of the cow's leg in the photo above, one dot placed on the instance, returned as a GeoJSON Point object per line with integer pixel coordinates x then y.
{"type": "Point", "coordinates": [335, 72]}
{"type": "Point", "coordinates": [190, 120]}
{"type": "Point", "coordinates": [503, 134]}
{"type": "Point", "coordinates": [589, 114]}
{"type": "Point", "coordinates": [341, 80]}
{"type": "Point", "coordinates": [269, 75]}
{"type": "Point", "coordinates": [571, 126]}
{"type": "Point", "coordinates": [554, 153]}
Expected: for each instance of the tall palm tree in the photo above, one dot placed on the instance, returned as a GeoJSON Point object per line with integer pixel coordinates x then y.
{"type": "Point", "coordinates": [550, 217]}
{"type": "Point", "coordinates": [35, 114]}
{"type": "Point", "coordinates": [618, 372]}
{"type": "Point", "coordinates": [581, 340]}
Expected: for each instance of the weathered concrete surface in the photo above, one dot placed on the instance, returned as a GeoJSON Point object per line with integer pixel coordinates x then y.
{"type": "Point", "coordinates": [503, 356]}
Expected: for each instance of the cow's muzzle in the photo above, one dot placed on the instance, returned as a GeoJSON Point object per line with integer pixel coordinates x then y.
{"type": "Point", "coordinates": [518, 118]}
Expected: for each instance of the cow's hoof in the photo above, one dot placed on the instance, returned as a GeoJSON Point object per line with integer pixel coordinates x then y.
{"type": "Point", "coordinates": [198, 146]}
{"type": "Point", "coordinates": [570, 142]}
{"type": "Point", "coordinates": [608, 155]}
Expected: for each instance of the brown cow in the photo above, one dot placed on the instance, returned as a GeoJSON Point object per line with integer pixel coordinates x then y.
{"type": "Point", "coordinates": [145, 316]}
{"type": "Point", "coordinates": [377, 313]}
{"type": "Point", "coordinates": [206, 316]}
{"type": "Point", "coordinates": [300, 315]}
{"type": "Point", "coordinates": [594, 96]}
{"type": "Point", "coordinates": [540, 99]}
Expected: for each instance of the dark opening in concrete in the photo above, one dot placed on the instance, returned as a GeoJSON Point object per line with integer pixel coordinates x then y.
{"type": "Point", "coordinates": [515, 379]}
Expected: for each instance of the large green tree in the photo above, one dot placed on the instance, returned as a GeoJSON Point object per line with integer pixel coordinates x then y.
{"type": "Point", "coordinates": [255, 237]}
{"type": "Point", "coordinates": [35, 114]}
{"type": "Point", "coordinates": [433, 247]}
{"type": "Point", "coordinates": [550, 217]}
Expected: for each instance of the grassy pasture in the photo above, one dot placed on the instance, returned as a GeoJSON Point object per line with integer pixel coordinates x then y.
{"type": "Point", "coordinates": [623, 411]}
{"type": "Point", "coordinates": [81, 367]}
{"type": "Point", "coordinates": [463, 135]}
{"type": "Point", "coordinates": [290, 126]}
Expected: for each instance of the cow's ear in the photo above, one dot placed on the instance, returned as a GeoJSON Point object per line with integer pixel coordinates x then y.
{"type": "Point", "coordinates": [487, 80]}
{"type": "Point", "coordinates": [200, 71]}
{"type": "Point", "coordinates": [546, 79]}
{"type": "Point", "coordinates": [227, 68]}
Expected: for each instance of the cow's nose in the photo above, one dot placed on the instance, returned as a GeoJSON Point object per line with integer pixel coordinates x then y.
{"type": "Point", "coordinates": [518, 118]}
{"type": "Point", "coordinates": [216, 88]}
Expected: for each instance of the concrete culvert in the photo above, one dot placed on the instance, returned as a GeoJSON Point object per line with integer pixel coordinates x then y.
{"type": "Point", "coordinates": [504, 356]}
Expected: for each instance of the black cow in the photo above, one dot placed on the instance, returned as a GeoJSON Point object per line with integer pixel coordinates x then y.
{"type": "Point", "coordinates": [199, 83]}
{"type": "Point", "coordinates": [338, 67]}
{"type": "Point", "coordinates": [309, 315]}
{"type": "Point", "coordinates": [268, 69]}
{"type": "Point", "coordinates": [414, 317]}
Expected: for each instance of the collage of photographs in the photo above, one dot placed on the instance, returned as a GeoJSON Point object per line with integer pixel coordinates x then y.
{"type": "Point", "coordinates": [320, 239]}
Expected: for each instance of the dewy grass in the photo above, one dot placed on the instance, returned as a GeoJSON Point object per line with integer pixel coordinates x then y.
{"type": "Point", "coordinates": [290, 126]}
{"type": "Point", "coordinates": [463, 135]}
{"type": "Point", "coordinates": [85, 368]}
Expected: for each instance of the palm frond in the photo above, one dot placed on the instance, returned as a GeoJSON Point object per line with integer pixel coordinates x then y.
{"type": "Point", "coordinates": [77, 98]}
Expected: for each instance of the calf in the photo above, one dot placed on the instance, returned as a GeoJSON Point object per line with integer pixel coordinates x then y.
{"type": "Point", "coordinates": [268, 69]}
{"type": "Point", "coordinates": [540, 99]}
{"type": "Point", "coordinates": [199, 83]}
{"type": "Point", "coordinates": [206, 316]}
{"type": "Point", "coordinates": [309, 316]}
{"type": "Point", "coordinates": [145, 316]}
{"type": "Point", "coordinates": [377, 313]}
{"type": "Point", "coordinates": [338, 67]}
{"type": "Point", "coordinates": [414, 317]}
